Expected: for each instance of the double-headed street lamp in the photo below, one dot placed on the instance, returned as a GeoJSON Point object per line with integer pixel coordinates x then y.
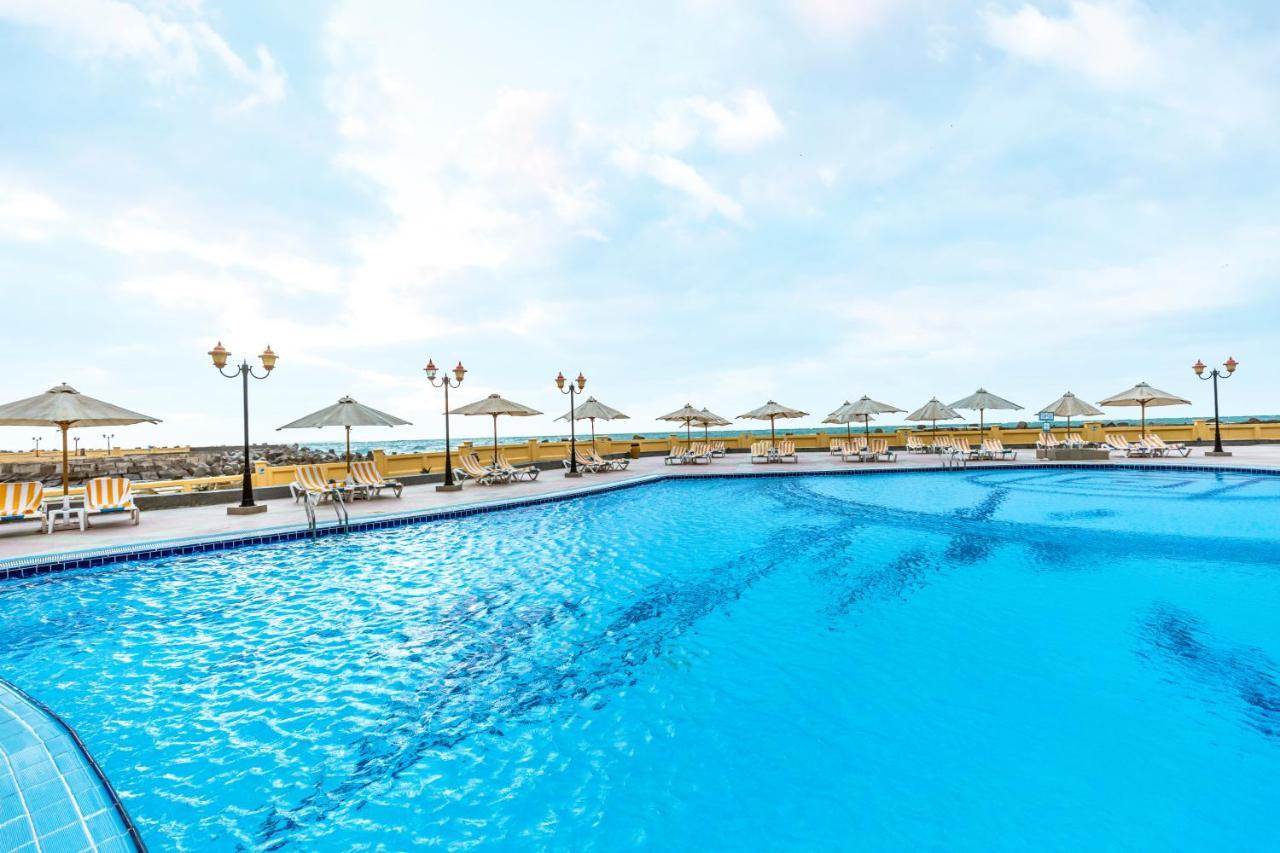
{"type": "Point", "coordinates": [1230, 364]}
{"type": "Point", "coordinates": [219, 355]}
{"type": "Point", "coordinates": [446, 383]}
{"type": "Point", "coordinates": [108, 438]}
{"type": "Point", "coordinates": [574, 388]}
{"type": "Point", "coordinates": [36, 439]}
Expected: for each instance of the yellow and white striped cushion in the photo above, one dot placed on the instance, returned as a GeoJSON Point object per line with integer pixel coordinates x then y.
{"type": "Point", "coordinates": [108, 494]}
{"type": "Point", "coordinates": [20, 500]}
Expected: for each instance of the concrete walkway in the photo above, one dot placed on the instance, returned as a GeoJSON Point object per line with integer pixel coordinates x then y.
{"type": "Point", "coordinates": [20, 541]}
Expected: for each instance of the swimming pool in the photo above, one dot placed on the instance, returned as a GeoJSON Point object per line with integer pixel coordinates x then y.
{"type": "Point", "coordinates": [1017, 658]}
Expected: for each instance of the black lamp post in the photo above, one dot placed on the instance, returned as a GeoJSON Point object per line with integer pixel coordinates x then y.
{"type": "Point", "coordinates": [108, 438]}
{"type": "Point", "coordinates": [1230, 364]}
{"type": "Point", "coordinates": [573, 389]}
{"type": "Point", "coordinates": [76, 439]}
{"type": "Point", "coordinates": [458, 372]}
{"type": "Point", "coordinates": [36, 439]}
{"type": "Point", "coordinates": [219, 355]}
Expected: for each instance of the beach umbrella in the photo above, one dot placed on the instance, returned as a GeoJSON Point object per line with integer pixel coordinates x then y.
{"type": "Point", "coordinates": [982, 399]}
{"type": "Point", "coordinates": [686, 415]}
{"type": "Point", "coordinates": [934, 411]}
{"type": "Point", "coordinates": [770, 412]}
{"type": "Point", "coordinates": [345, 413]}
{"type": "Point", "coordinates": [592, 410]}
{"type": "Point", "coordinates": [861, 412]}
{"type": "Point", "coordinates": [64, 407]}
{"type": "Point", "coordinates": [1144, 395]}
{"type": "Point", "coordinates": [495, 406]}
{"type": "Point", "coordinates": [708, 418]}
{"type": "Point", "coordinates": [1070, 406]}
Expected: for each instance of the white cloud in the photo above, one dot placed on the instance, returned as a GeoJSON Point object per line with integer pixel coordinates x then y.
{"type": "Point", "coordinates": [169, 45]}
{"type": "Point", "coordinates": [678, 175]}
{"type": "Point", "coordinates": [1106, 42]}
{"type": "Point", "coordinates": [842, 20]}
{"type": "Point", "coordinates": [745, 121]}
{"type": "Point", "coordinates": [28, 215]}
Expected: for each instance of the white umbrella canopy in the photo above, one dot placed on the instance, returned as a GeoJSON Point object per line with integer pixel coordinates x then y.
{"type": "Point", "coordinates": [345, 413]}
{"type": "Point", "coordinates": [981, 400]}
{"type": "Point", "coordinates": [1070, 406]}
{"type": "Point", "coordinates": [64, 407]}
{"type": "Point", "coordinates": [592, 410]}
{"type": "Point", "coordinates": [495, 406]}
{"type": "Point", "coordinates": [686, 415]}
{"type": "Point", "coordinates": [859, 412]}
{"type": "Point", "coordinates": [934, 411]}
{"type": "Point", "coordinates": [1144, 395]}
{"type": "Point", "coordinates": [770, 412]}
{"type": "Point", "coordinates": [708, 419]}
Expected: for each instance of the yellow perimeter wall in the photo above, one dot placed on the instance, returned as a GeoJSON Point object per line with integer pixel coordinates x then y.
{"type": "Point", "coordinates": [408, 464]}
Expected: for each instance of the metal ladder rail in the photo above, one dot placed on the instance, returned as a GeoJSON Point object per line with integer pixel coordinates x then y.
{"type": "Point", "coordinates": [340, 510]}
{"type": "Point", "coordinates": [308, 504]}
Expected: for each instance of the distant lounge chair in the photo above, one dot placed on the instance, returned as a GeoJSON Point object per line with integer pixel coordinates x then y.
{"type": "Point", "coordinates": [1074, 439]}
{"type": "Point", "coordinates": [915, 445]}
{"type": "Point", "coordinates": [700, 451]}
{"type": "Point", "coordinates": [1047, 441]}
{"type": "Point", "coordinates": [370, 482]}
{"type": "Point", "coordinates": [944, 444]}
{"type": "Point", "coordinates": [787, 450]}
{"type": "Point", "coordinates": [606, 464]}
{"type": "Point", "coordinates": [110, 496]}
{"type": "Point", "coordinates": [471, 468]}
{"type": "Point", "coordinates": [718, 448]}
{"type": "Point", "coordinates": [879, 450]}
{"type": "Point", "coordinates": [585, 463]}
{"type": "Point", "coordinates": [1157, 445]}
{"type": "Point", "coordinates": [514, 472]}
{"type": "Point", "coordinates": [839, 446]}
{"type": "Point", "coordinates": [760, 451]}
{"type": "Point", "coordinates": [994, 448]}
{"type": "Point", "coordinates": [677, 455]}
{"type": "Point", "coordinates": [310, 479]}
{"type": "Point", "coordinates": [961, 446]}
{"type": "Point", "coordinates": [1119, 443]}
{"type": "Point", "coordinates": [22, 502]}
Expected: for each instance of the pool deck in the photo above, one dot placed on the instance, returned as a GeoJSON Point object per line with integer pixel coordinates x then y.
{"type": "Point", "coordinates": [165, 526]}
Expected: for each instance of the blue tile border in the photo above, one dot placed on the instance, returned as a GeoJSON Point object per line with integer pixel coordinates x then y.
{"type": "Point", "coordinates": [101, 780]}
{"type": "Point", "coordinates": [24, 567]}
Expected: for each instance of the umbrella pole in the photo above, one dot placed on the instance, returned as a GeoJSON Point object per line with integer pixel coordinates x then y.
{"type": "Point", "coordinates": [981, 425]}
{"type": "Point", "coordinates": [66, 471]}
{"type": "Point", "coordinates": [348, 451]}
{"type": "Point", "coordinates": [688, 431]}
{"type": "Point", "coordinates": [1141, 435]}
{"type": "Point", "coordinates": [773, 435]}
{"type": "Point", "coordinates": [593, 436]}
{"type": "Point", "coordinates": [866, 424]}
{"type": "Point", "coordinates": [495, 439]}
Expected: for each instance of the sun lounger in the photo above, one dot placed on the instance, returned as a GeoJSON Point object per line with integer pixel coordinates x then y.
{"type": "Point", "coordinates": [606, 464]}
{"type": "Point", "coordinates": [1157, 445]}
{"type": "Point", "coordinates": [369, 481]}
{"type": "Point", "coordinates": [699, 452]}
{"type": "Point", "coordinates": [787, 452]}
{"type": "Point", "coordinates": [110, 496]}
{"type": "Point", "coordinates": [677, 455]}
{"type": "Point", "coordinates": [470, 466]}
{"type": "Point", "coordinates": [915, 445]}
{"type": "Point", "coordinates": [944, 444]}
{"type": "Point", "coordinates": [1047, 441]}
{"type": "Point", "coordinates": [839, 446]}
{"type": "Point", "coordinates": [1074, 439]}
{"type": "Point", "coordinates": [21, 502]}
{"type": "Point", "coordinates": [993, 448]}
{"type": "Point", "coordinates": [878, 451]}
{"type": "Point", "coordinates": [585, 463]}
{"type": "Point", "coordinates": [961, 445]}
{"type": "Point", "coordinates": [1120, 444]}
{"type": "Point", "coordinates": [760, 451]}
{"type": "Point", "coordinates": [521, 472]}
{"type": "Point", "coordinates": [718, 448]}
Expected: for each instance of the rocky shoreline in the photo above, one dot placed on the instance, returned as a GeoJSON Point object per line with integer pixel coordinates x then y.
{"type": "Point", "coordinates": [200, 462]}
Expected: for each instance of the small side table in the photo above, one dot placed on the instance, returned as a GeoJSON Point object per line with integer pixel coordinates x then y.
{"type": "Point", "coordinates": [60, 511]}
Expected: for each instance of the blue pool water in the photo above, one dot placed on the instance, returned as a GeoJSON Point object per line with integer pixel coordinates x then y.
{"type": "Point", "coordinates": [987, 660]}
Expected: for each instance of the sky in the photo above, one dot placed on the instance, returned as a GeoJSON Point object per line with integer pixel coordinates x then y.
{"type": "Point", "coordinates": [702, 201]}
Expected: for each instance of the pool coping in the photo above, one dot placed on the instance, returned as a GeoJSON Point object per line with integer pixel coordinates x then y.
{"type": "Point", "coordinates": [131, 830]}
{"type": "Point", "coordinates": [37, 564]}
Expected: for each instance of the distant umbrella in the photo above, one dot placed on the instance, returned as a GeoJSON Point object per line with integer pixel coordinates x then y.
{"type": "Point", "coordinates": [981, 400]}
{"type": "Point", "coordinates": [1144, 395]}
{"type": "Point", "coordinates": [495, 406]}
{"type": "Point", "coordinates": [592, 410]}
{"type": "Point", "coordinates": [707, 419]}
{"type": "Point", "coordinates": [1070, 406]}
{"type": "Point", "coordinates": [64, 407]}
{"type": "Point", "coordinates": [686, 415]}
{"type": "Point", "coordinates": [860, 412]}
{"type": "Point", "coordinates": [771, 411]}
{"type": "Point", "coordinates": [345, 413]}
{"type": "Point", "coordinates": [934, 411]}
